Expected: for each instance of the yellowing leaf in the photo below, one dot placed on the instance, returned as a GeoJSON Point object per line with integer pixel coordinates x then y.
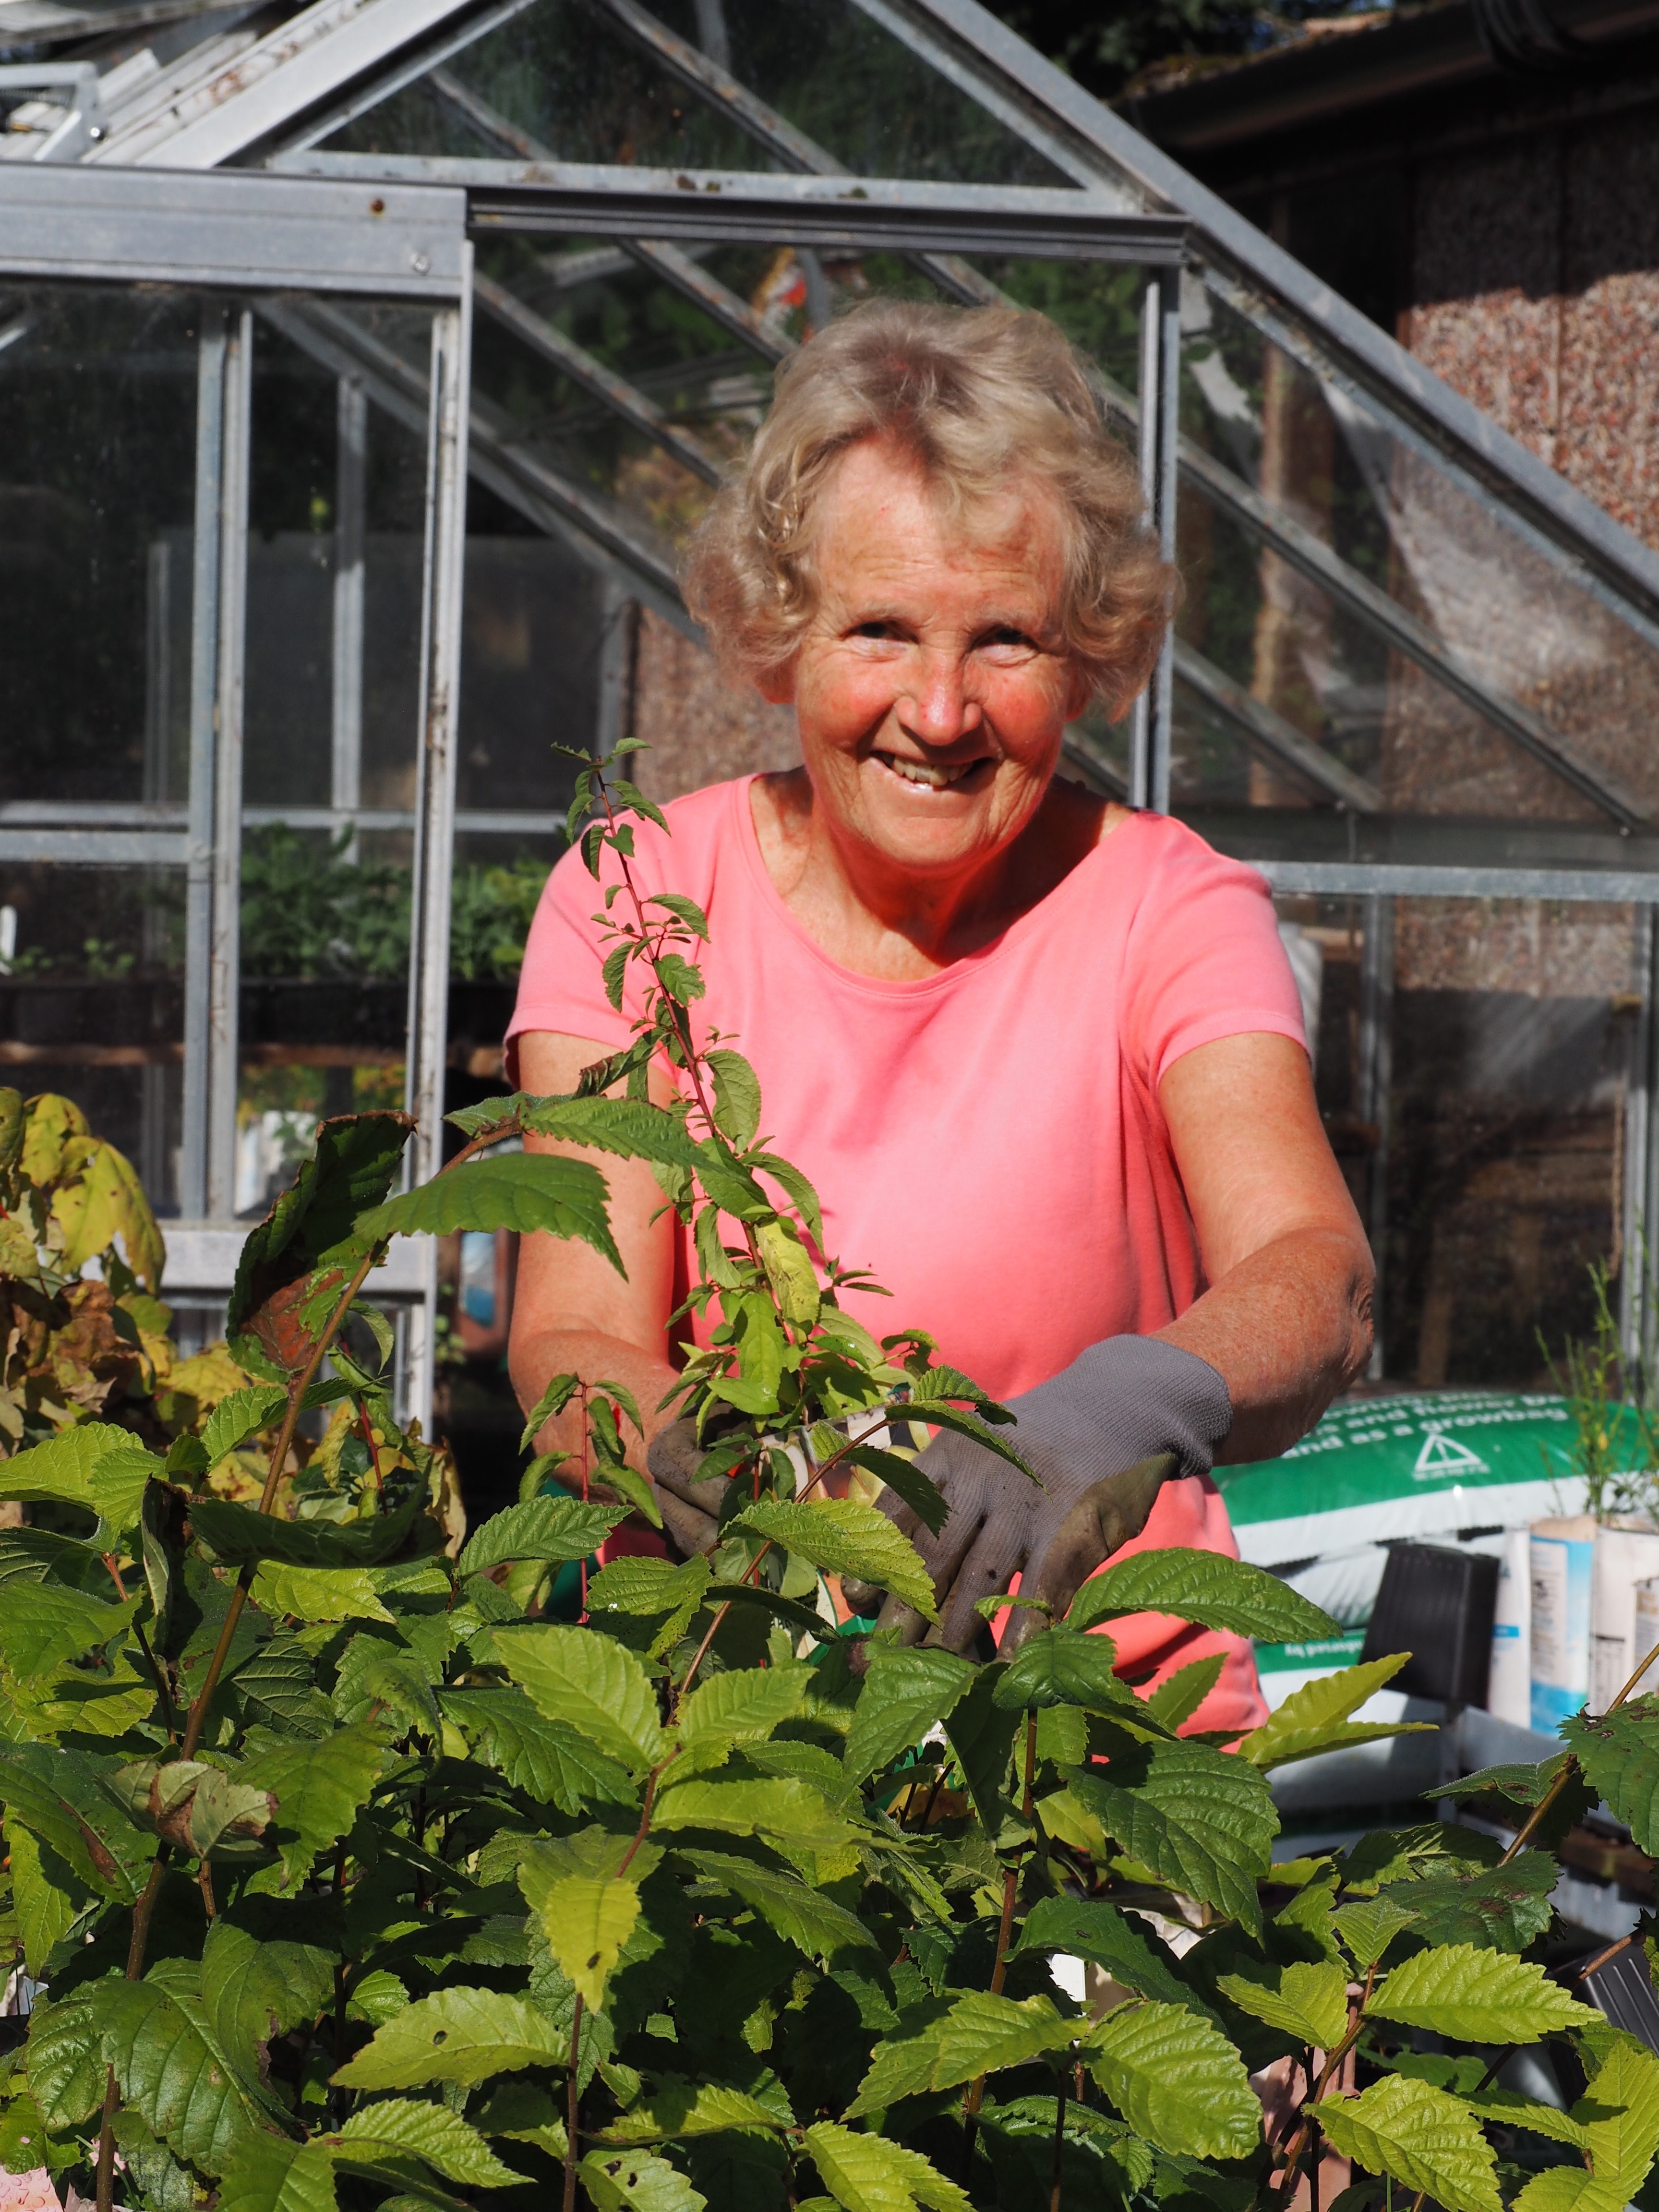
{"type": "Point", "coordinates": [317, 1593]}
{"type": "Point", "coordinates": [1309, 2002]}
{"type": "Point", "coordinates": [104, 1201]}
{"type": "Point", "coordinates": [1476, 1996]}
{"type": "Point", "coordinates": [1419, 2136]}
{"type": "Point", "coordinates": [459, 2035]}
{"type": "Point", "coordinates": [1316, 1717]}
{"type": "Point", "coordinates": [588, 1919]}
{"type": "Point", "coordinates": [52, 1122]}
{"type": "Point", "coordinates": [868, 2173]}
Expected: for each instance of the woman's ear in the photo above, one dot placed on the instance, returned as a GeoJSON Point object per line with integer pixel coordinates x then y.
{"type": "Point", "coordinates": [777, 685]}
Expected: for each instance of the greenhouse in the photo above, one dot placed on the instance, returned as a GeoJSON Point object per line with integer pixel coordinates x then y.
{"type": "Point", "coordinates": [360, 371]}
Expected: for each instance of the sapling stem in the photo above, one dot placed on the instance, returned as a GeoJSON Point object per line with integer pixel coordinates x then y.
{"type": "Point", "coordinates": [1058, 2170]}
{"type": "Point", "coordinates": [572, 2102]}
{"type": "Point", "coordinates": [1004, 1931]}
{"type": "Point", "coordinates": [1529, 1827]}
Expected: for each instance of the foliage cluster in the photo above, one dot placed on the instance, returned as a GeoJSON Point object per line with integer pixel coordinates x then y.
{"type": "Point", "coordinates": [1615, 1422]}
{"type": "Point", "coordinates": [354, 1882]}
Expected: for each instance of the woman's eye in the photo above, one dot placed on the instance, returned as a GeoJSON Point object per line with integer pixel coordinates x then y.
{"type": "Point", "coordinates": [879, 629]}
{"type": "Point", "coordinates": [1007, 635]}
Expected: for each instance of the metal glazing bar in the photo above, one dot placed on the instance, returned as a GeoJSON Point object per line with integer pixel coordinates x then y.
{"type": "Point", "coordinates": [1269, 732]}
{"type": "Point", "coordinates": [350, 476]}
{"type": "Point", "coordinates": [1638, 1228]}
{"type": "Point", "coordinates": [434, 831]}
{"type": "Point", "coordinates": [99, 849]}
{"type": "Point", "coordinates": [1141, 730]}
{"type": "Point", "coordinates": [1341, 878]}
{"type": "Point", "coordinates": [1167, 287]}
{"type": "Point", "coordinates": [224, 972]}
{"type": "Point", "coordinates": [1323, 566]}
{"type": "Point", "coordinates": [1376, 1086]}
{"type": "Point", "coordinates": [411, 70]}
{"type": "Point", "coordinates": [203, 700]}
{"type": "Point", "coordinates": [158, 832]}
{"type": "Point", "coordinates": [582, 368]}
{"type": "Point", "coordinates": [615, 656]}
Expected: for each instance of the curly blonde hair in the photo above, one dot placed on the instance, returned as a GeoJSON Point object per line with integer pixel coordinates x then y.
{"type": "Point", "coordinates": [977, 396]}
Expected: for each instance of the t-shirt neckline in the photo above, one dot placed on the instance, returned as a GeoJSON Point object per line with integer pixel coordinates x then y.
{"type": "Point", "coordinates": [971, 964]}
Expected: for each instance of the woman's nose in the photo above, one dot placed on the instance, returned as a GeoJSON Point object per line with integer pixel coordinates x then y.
{"type": "Point", "coordinates": [937, 709]}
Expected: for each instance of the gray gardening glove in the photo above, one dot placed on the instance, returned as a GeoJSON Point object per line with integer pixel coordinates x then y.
{"type": "Point", "coordinates": [688, 1507]}
{"type": "Point", "coordinates": [1102, 1437]}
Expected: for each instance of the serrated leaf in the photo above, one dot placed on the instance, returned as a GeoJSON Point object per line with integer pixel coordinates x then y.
{"type": "Point", "coordinates": [237, 1534]}
{"type": "Point", "coordinates": [1476, 1996]}
{"type": "Point", "coordinates": [305, 1593]}
{"type": "Point", "coordinates": [591, 1683]}
{"type": "Point", "coordinates": [908, 1482]}
{"type": "Point", "coordinates": [808, 1918]}
{"type": "Point", "coordinates": [905, 1694]}
{"type": "Point", "coordinates": [240, 1416]}
{"type": "Point", "coordinates": [551, 1762]}
{"type": "Point", "coordinates": [268, 2174]}
{"type": "Point", "coordinates": [194, 1807]}
{"type": "Point", "coordinates": [1369, 1928]}
{"type": "Point", "coordinates": [1177, 1699]}
{"type": "Point", "coordinates": [278, 1685]}
{"type": "Point", "coordinates": [66, 2068]}
{"type": "Point", "coordinates": [981, 2033]}
{"type": "Point", "coordinates": [540, 1528]}
{"type": "Point", "coordinates": [845, 1537]}
{"type": "Point", "coordinates": [1619, 2112]}
{"type": "Point", "coordinates": [252, 1990]}
{"type": "Point", "coordinates": [678, 2108]}
{"type": "Point", "coordinates": [117, 1484]}
{"type": "Point", "coordinates": [105, 1200]}
{"type": "Point", "coordinates": [736, 1097]}
{"type": "Point", "coordinates": [1206, 1588]}
{"type": "Point", "coordinates": [588, 1919]}
{"type": "Point", "coordinates": [61, 1468]}
{"type": "Point", "coordinates": [1524, 1781]}
{"type": "Point", "coordinates": [168, 2065]}
{"type": "Point", "coordinates": [58, 1795]}
{"type": "Point", "coordinates": [1201, 1819]}
{"type": "Point", "coordinates": [1177, 2080]}
{"type": "Point", "coordinates": [374, 1674]}
{"type": "Point", "coordinates": [868, 2173]}
{"type": "Point", "coordinates": [1314, 1718]}
{"type": "Point", "coordinates": [459, 2035]}
{"type": "Point", "coordinates": [1062, 1666]}
{"type": "Point", "coordinates": [433, 2132]}
{"type": "Point", "coordinates": [632, 1128]}
{"type": "Point", "coordinates": [1418, 2135]}
{"type": "Point", "coordinates": [742, 1705]}
{"type": "Point", "coordinates": [319, 1789]}
{"type": "Point", "coordinates": [1511, 2110]}
{"type": "Point", "coordinates": [645, 1588]}
{"type": "Point", "coordinates": [801, 1195]}
{"type": "Point", "coordinates": [982, 1736]}
{"type": "Point", "coordinates": [1502, 1910]}
{"type": "Point", "coordinates": [523, 1191]}
{"type": "Point", "coordinates": [791, 1811]}
{"type": "Point", "coordinates": [1619, 1752]}
{"type": "Point", "coordinates": [1309, 2002]}
{"type": "Point", "coordinates": [636, 2181]}
{"type": "Point", "coordinates": [47, 1897]}
{"type": "Point", "coordinates": [41, 1629]}
{"type": "Point", "coordinates": [1117, 1942]}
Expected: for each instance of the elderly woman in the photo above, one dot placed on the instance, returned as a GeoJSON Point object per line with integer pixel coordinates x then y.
{"type": "Point", "coordinates": [1042, 1055]}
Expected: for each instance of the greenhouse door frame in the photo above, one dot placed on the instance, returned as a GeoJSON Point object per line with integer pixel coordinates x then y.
{"type": "Point", "coordinates": [257, 241]}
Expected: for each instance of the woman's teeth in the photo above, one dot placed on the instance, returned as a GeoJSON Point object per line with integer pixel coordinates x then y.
{"type": "Point", "coordinates": [936, 775]}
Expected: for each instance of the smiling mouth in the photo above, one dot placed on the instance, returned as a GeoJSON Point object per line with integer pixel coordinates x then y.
{"type": "Point", "coordinates": [931, 775]}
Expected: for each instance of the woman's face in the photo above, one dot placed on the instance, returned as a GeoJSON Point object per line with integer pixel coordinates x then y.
{"type": "Point", "coordinates": [932, 686]}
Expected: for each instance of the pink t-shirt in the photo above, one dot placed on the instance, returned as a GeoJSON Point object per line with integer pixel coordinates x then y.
{"type": "Point", "coordinates": [987, 1141]}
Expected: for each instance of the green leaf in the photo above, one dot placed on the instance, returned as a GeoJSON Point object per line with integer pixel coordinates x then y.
{"type": "Point", "coordinates": [1179, 1697]}
{"type": "Point", "coordinates": [551, 1762]}
{"type": "Point", "coordinates": [808, 1918]}
{"type": "Point", "coordinates": [907, 1481]}
{"type": "Point", "coordinates": [319, 1789]}
{"type": "Point", "coordinates": [868, 2173]}
{"type": "Point", "coordinates": [118, 1483]}
{"type": "Point", "coordinates": [254, 1991]}
{"type": "Point", "coordinates": [240, 1416]}
{"type": "Point", "coordinates": [541, 1529]}
{"type": "Point", "coordinates": [1060, 1666]}
{"type": "Point", "coordinates": [1620, 2115]}
{"type": "Point", "coordinates": [1619, 1752]}
{"type": "Point", "coordinates": [1200, 1820]}
{"type": "Point", "coordinates": [1476, 1996]}
{"type": "Point", "coordinates": [1504, 1909]}
{"type": "Point", "coordinates": [845, 1537]}
{"type": "Point", "coordinates": [797, 1190]}
{"type": "Point", "coordinates": [632, 1128]}
{"type": "Point", "coordinates": [459, 2035]}
{"type": "Point", "coordinates": [742, 1705]}
{"type": "Point", "coordinates": [268, 2174]}
{"type": "Point", "coordinates": [1418, 2135]}
{"type": "Point", "coordinates": [59, 1471]}
{"type": "Point", "coordinates": [981, 2033]}
{"type": "Point", "coordinates": [635, 2181]}
{"type": "Point", "coordinates": [736, 1097]}
{"type": "Point", "coordinates": [41, 1629]}
{"type": "Point", "coordinates": [1177, 2080]}
{"type": "Point", "coordinates": [195, 1807]}
{"type": "Point", "coordinates": [1117, 1942]}
{"type": "Point", "coordinates": [306, 1594]}
{"type": "Point", "coordinates": [278, 1685]}
{"type": "Point", "coordinates": [66, 2066]}
{"type": "Point", "coordinates": [588, 1919]}
{"type": "Point", "coordinates": [526, 1191]}
{"type": "Point", "coordinates": [167, 2063]}
{"type": "Point", "coordinates": [1206, 1588]}
{"type": "Point", "coordinates": [554, 1400]}
{"type": "Point", "coordinates": [47, 1897]}
{"type": "Point", "coordinates": [58, 1795]}
{"type": "Point", "coordinates": [374, 1672]}
{"type": "Point", "coordinates": [433, 2132]}
{"type": "Point", "coordinates": [905, 1694]}
{"type": "Point", "coordinates": [1368, 1929]}
{"type": "Point", "coordinates": [791, 1811]}
{"type": "Point", "coordinates": [297, 1262]}
{"type": "Point", "coordinates": [1511, 2110]}
{"type": "Point", "coordinates": [591, 1683]}
{"type": "Point", "coordinates": [167, 2187]}
{"type": "Point", "coordinates": [237, 1534]}
{"type": "Point", "coordinates": [645, 1588]}
{"type": "Point", "coordinates": [981, 1733]}
{"type": "Point", "coordinates": [1309, 2002]}
{"type": "Point", "coordinates": [676, 2107]}
{"type": "Point", "coordinates": [1314, 1718]}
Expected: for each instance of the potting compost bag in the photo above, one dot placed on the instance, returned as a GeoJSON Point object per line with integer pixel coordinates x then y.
{"type": "Point", "coordinates": [1449, 1467]}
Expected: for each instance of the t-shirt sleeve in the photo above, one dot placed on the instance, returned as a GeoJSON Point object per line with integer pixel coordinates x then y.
{"type": "Point", "coordinates": [1205, 959]}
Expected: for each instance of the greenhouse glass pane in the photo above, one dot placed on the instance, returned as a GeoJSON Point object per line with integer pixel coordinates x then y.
{"type": "Point", "coordinates": [97, 489]}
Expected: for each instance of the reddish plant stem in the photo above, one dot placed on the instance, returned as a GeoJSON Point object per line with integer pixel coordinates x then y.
{"type": "Point", "coordinates": [1328, 2073]}
{"type": "Point", "coordinates": [1005, 1930]}
{"type": "Point", "coordinates": [572, 2100]}
{"type": "Point", "coordinates": [1057, 2171]}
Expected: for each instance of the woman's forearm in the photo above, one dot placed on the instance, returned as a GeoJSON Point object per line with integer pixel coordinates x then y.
{"type": "Point", "coordinates": [537, 1356]}
{"type": "Point", "coordinates": [1286, 1329]}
